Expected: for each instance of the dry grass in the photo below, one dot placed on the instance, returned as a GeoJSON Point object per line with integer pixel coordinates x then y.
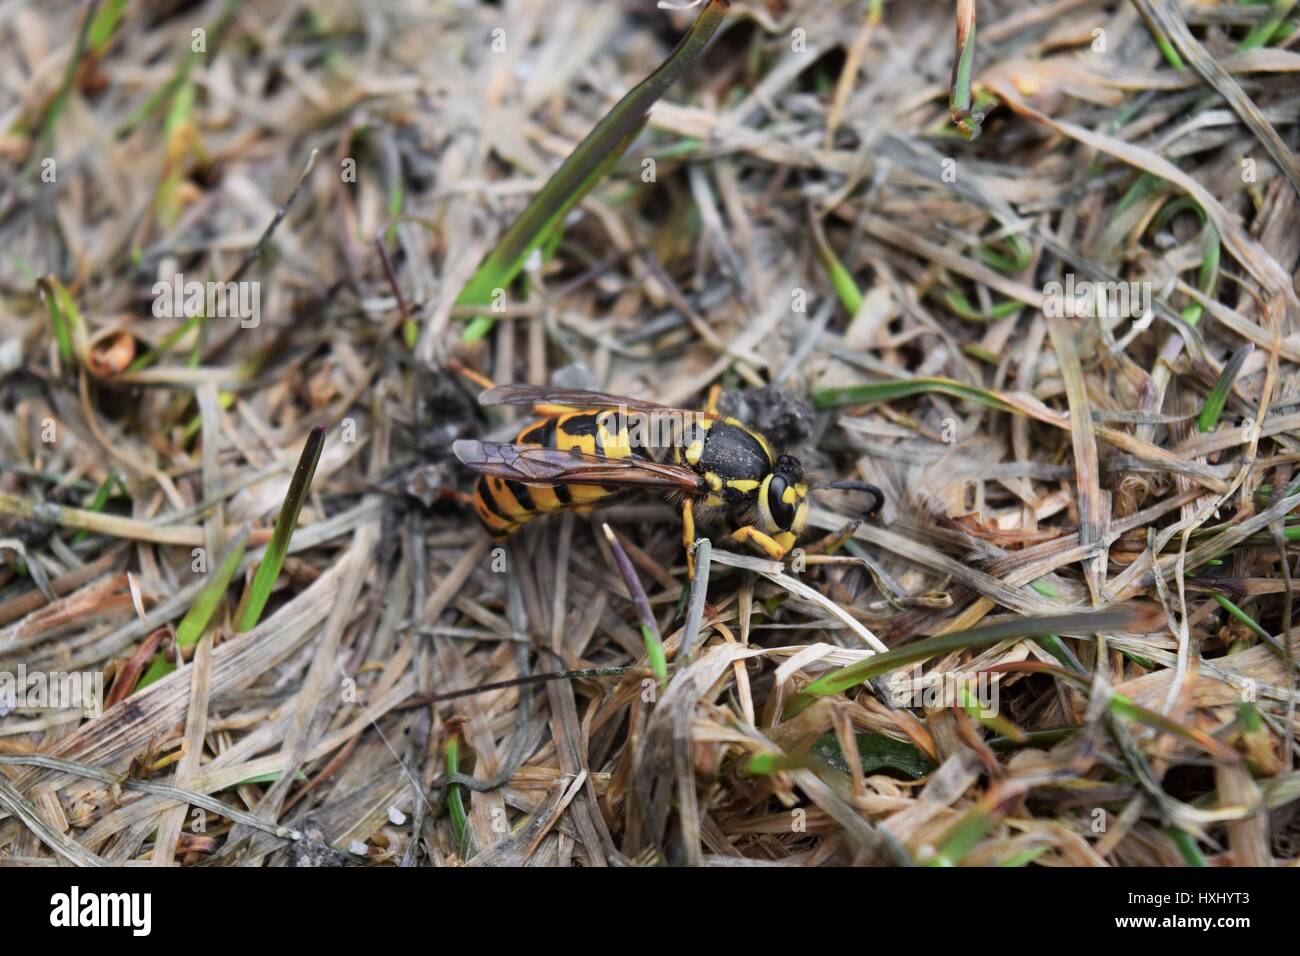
{"type": "Point", "coordinates": [813, 223]}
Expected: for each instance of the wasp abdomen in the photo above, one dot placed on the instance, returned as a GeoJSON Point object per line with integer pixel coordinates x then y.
{"type": "Point", "coordinates": [504, 506]}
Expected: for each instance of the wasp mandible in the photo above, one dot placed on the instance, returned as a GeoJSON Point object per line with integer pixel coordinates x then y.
{"type": "Point", "coordinates": [590, 447]}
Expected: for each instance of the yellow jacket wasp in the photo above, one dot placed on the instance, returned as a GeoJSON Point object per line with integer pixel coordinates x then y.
{"type": "Point", "coordinates": [589, 447]}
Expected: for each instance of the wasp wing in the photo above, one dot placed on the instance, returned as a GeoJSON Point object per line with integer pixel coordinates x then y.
{"type": "Point", "coordinates": [576, 398]}
{"type": "Point", "coordinates": [532, 464]}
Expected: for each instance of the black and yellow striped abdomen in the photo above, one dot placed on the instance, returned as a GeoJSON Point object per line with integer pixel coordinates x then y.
{"type": "Point", "coordinates": [504, 506]}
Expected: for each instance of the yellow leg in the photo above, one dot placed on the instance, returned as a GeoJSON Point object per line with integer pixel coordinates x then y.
{"type": "Point", "coordinates": [478, 378]}
{"type": "Point", "coordinates": [773, 548]}
{"type": "Point", "coordinates": [711, 403]}
{"type": "Point", "coordinates": [688, 537]}
{"type": "Point", "coordinates": [462, 498]}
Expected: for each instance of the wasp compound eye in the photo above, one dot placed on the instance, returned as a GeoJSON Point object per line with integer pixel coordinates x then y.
{"type": "Point", "coordinates": [780, 502]}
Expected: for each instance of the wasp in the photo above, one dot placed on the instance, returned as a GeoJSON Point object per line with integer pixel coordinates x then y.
{"type": "Point", "coordinates": [589, 448]}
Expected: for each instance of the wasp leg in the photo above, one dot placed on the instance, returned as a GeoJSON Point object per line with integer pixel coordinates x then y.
{"type": "Point", "coordinates": [460, 497]}
{"type": "Point", "coordinates": [711, 403]}
{"type": "Point", "coordinates": [688, 537]}
{"type": "Point", "coordinates": [775, 548]}
{"type": "Point", "coordinates": [478, 378]}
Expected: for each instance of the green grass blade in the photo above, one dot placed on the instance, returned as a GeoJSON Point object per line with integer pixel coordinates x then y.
{"type": "Point", "coordinates": [1004, 728]}
{"type": "Point", "coordinates": [1019, 253]}
{"type": "Point", "coordinates": [905, 387]}
{"type": "Point", "coordinates": [592, 158]}
{"type": "Point", "coordinates": [1186, 844]}
{"type": "Point", "coordinates": [255, 598]}
{"type": "Point", "coordinates": [1088, 622]}
{"type": "Point", "coordinates": [205, 605]}
{"type": "Point", "coordinates": [1271, 642]}
{"type": "Point", "coordinates": [1162, 40]}
{"type": "Point", "coordinates": [97, 504]}
{"type": "Point", "coordinates": [962, 836]}
{"type": "Point", "coordinates": [270, 777]}
{"type": "Point", "coordinates": [43, 146]}
{"type": "Point", "coordinates": [766, 764]}
{"type": "Point", "coordinates": [216, 33]}
{"type": "Point", "coordinates": [1244, 618]}
{"type": "Point", "coordinates": [498, 274]}
{"type": "Point", "coordinates": [654, 650]}
{"type": "Point", "coordinates": [196, 619]}
{"type": "Point", "coordinates": [961, 306]}
{"type": "Point", "coordinates": [105, 25]}
{"type": "Point", "coordinates": [1208, 277]}
{"type": "Point", "coordinates": [64, 316]}
{"type": "Point", "coordinates": [1121, 706]}
{"type": "Point", "coordinates": [1248, 713]}
{"type": "Point", "coordinates": [841, 279]}
{"type": "Point", "coordinates": [1024, 857]}
{"type": "Point", "coordinates": [1264, 31]}
{"type": "Point", "coordinates": [1211, 252]}
{"type": "Point", "coordinates": [455, 801]}
{"type": "Point", "coordinates": [654, 645]}
{"type": "Point", "coordinates": [966, 120]}
{"type": "Point", "coordinates": [1218, 396]}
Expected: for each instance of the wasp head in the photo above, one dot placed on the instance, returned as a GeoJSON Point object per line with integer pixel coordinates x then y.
{"type": "Point", "coordinates": [783, 498]}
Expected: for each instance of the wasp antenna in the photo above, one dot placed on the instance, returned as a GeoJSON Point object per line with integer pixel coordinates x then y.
{"type": "Point", "coordinates": [861, 486]}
